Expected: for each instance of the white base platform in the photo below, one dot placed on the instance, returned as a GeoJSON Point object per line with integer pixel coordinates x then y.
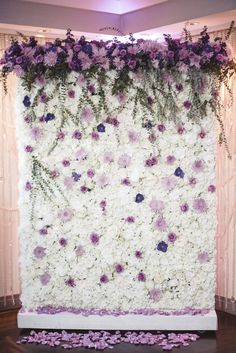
{"type": "Point", "coordinates": [127, 322]}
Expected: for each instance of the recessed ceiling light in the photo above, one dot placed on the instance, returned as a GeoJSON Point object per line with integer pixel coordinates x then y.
{"type": "Point", "coordinates": [39, 36]}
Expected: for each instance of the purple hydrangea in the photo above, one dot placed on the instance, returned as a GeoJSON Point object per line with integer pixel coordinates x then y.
{"type": "Point", "coordinates": [139, 198]}
{"type": "Point", "coordinates": [162, 246]}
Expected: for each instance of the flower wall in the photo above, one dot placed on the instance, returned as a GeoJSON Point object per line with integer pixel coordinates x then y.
{"type": "Point", "coordinates": [117, 204]}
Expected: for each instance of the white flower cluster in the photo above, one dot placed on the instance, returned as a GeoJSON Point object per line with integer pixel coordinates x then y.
{"type": "Point", "coordinates": [112, 214]}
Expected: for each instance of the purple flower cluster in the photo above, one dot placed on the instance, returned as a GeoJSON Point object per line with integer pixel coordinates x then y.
{"type": "Point", "coordinates": [31, 58]}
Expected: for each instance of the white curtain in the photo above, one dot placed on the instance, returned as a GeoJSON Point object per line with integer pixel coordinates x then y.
{"type": "Point", "coordinates": [226, 191]}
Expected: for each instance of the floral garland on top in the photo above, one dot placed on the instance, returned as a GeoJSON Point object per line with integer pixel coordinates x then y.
{"type": "Point", "coordinates": [199, 64]}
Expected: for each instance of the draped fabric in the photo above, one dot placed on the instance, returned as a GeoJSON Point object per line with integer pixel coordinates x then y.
{"type": "Point", "coordinates": [226, 191]}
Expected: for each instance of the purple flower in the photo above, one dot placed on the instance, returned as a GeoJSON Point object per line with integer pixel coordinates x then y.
{"type": "Point", "coordinates": [92, 89]}
{"type": "Point", "coordinates": [132, 64]}
{"type": "Point", "coordinates": [28, 186]}
{"type": "Point", "coordinates": [160, 224]}
{"type": "Point", "coordinates": [139, 198]}
{"type": "Point", "coordinates": [150, 100]}
{"type": "Point", "coordinates": [152, 137]}
{"type": "Point", "coordinates": [141, 277]}
{"type": "Point", "coordinates": [95, 136]}
{"type": "Point", "coordinates": [121, 98]}
{"type": "Point", "coordinates": [102, 181]}
{"type": "Point", "coordinates": [202, 134]}
{"type": "Point", "coordinates": [156, 205]}
{"type": "Point", "coordinates": [130, 219]}
{"type": "Point", "coordinates": [179, 172]}
{"type": "Point", "coordinates": [43, 98]}
{"type": "Point", "coordinates": [203, 257]}
{"type": "Point", "coordinates": [36, 133]}
{"type": "Point", "coordinates": [184, 207]}
{"type": "Point", "coordinates": [71, 93]}
{"type": "Point", "coordinates": [43, 231]}
{"type": "Point", "coordinates": [76, 176]}
{"type": "Point", "coordinates": [179, 87]}
{"type": "Point", "coordinates": [155, 294]}
{"type": "Point", "coordinates": [65, 162]}
{"type": "Point", "coordinates": [39, 252]}
{"type": "Point", "coordinates": [211, 188]}
{"type": "Point", "coordinates": [170, 160]}
{"type": "Point", "coordinates": [26, 101]}
{"type": "Point", "coordinates": [60, 136]}
{"type": "Point", "coordinates": [103, 205]}
{"type": "Point", "coordinates": [54, 173]}
{"type": "Point", "coordinates": [108, 157]}
{"type": "Point", "coordinates": [172, 237]}
{"type": "Point", "coordinates": [161, 127]}
{"type": "Point", "coordinates": [169, 182]}
{"type": "Point", "coordinates": [192, 181]}
{"type": "Point", "coordinates": [125, 181]}
{"type": "Point", "coordinates": [65, 214]}
{"type": "Point", "coordinates": [81, 154]}
{"type": "Point", "coordinates": [90, 173]}
{"type": "Point", "coordinates": [119, 268]}
{"type": "Point", "coordinates": [151, 162]}
{"type": "Point", "coordinates": [79, 251]}
{"type": "Point", "coordinates": [77, 135]}
{"type": "Point", "coordinates": [199, 205]}
{"type": "Point", "coordinates": [49, 117]}
{"type": "Point", "coordinates": [94, 238]}
{"type": "Point", "coordinates": [70, 282]}
{"type": "Point", "coordinates": [101, 128]}
{"type": "Point", "coordinates": [124, 160]}
{"type": "Point", "coordinates": [187, 104]}
{"type": "Point", "coordinates": [50, 58]}
{"type": "Point", "coordinates": [162, 246]}
{"type": "Point", "coordinates": [84, 189]}
{"type": "Point", "coordinates": [28, 149]}
{"type": "Point", "coordinates": [138, 254]}
{"type": "Point", "coordinates": [45, 279]}
{"type": "Point", "coordinates": [27, 119]}
{"type": "Point", "coordinates": [180, 129]}
{"type": "Point", "coordinates": [104, 279]}
{"type": "Point", "coordinates": [198, 165]}
{"type": "Point", "coordinates": [63, 242]}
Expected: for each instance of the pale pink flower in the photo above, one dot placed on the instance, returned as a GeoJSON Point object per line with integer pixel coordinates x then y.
{"type": "Point", "coordinates": [155, 294]}
{"type": "Point", "coordinates": [69, 182]}
{"type": "Point", "coordinates": [81, 80]}
{"type": "Point", "coordinates": [160, 224]}
{"type": "Point", "coordinates": [121, 98]}
{"type": "Point", "coordinates": [133, 136]}
{"type": "Point", "coordinates": [86, 114]}
{"type": "Point", "coordinates": [102, 181]}
{"type": "Point", "coordinates": [65, 214]}
{"type": "Point", "coordinates": [124, 160]}
{"type": "Point", "coordinates": [36, 133]}
{"type": "Point", "coordinates": [198, 165]}
{"type": "Point", "coordinates": [156, 205]}
{"type": "Point", "coordinates": [45, 278]}
{"type": "Point", "coordinates": [200, 205]}
{"type": "Point", "coordinates": [203, 257]}
{"type": "Point", "coordinates": [81, 154]}
{"type": "Point", "coordinates": [80, 250]}
{"type": "Point", "coordinates": [86, 62]}
{"type": "Point", "coordinates": [108, 157]}
{"type": "Point", "coordinates": [169, 182]}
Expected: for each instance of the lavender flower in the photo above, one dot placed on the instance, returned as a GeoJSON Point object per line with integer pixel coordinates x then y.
{"type": "Point", "coordinates": [200, 205]}
{"type": "Point", "coordinates": [28, 149]}
{"type": "Point", "coordinates": [28, 186]}
{"type": "Point", "coordinates": [203, 257]}
{"type": "Point", "coordinates": [43, 231]}
{"type": "Point", "coordinates": [211, 188]}
{"type": "Point", "coordinates": [80, 250]}
{"type": "Point", "coordinates": [160, 224]}
{"type": "Point", "coordinates": [77, 135]}
{"type": "Point", "coordinates": [155, 294]}
{"type": "Point", "coordinates": [104, 279]}
{"type": "Point", "coordinates": [172, 237]}
{"type": "Point", "coordinates": [45, 279]}
{"type": "Point", "coordinates": [184, 207]}
{"type": "Point", "coordinates": [39, 252]}
{"type": "Point", "coordinates": [198, 166]}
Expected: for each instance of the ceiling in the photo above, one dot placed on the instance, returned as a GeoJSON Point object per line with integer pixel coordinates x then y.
{"type": "Point", "coordinates": [109, 18]}
{"type": "Point", "coordinates": [110, 6]}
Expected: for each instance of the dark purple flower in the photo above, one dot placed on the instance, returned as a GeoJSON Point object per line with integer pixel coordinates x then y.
{"type": "Point", "coordinates": [92, 89]}
{"type": "Point", "coordinates": [125, 181]}
{"type": "Point", "coordinates": [141, 277]}
{"type": "Point", "coordinates": [76, 176]}
{"type": "Point", "coordinates": [139, 198]}
{"type": "Point", "coordinates": [66, 162]}
{"type": "Point", "coordinates": [77, 135]}
{"type": "Point", "coordinates": [49, 117]}
{"type": "Point", "coordinates": [179, 87]}
{"type": "Point", "coordinates": [39, 252]}
{"type": "Point", "coordinates": [28, 186]}
{"type": "Point", "coordinates": [43, 98]}
{"type": "Point", "coordinates": [43, 231]}
{"type": "Point", "coordinates": [103, 204]}
{"type": "Point", "coordinates": [84, 189]}
{"type": "Point", "coordinates": [94, 238]}
{"type": "Point", "coordinates": [161, 127]}
{"type": "Point", "coordinates": [138, 254]}
{"type": "Point", "coordinates": [104, 279]}
{"type": "Point", "coordinates": [211, 188]}
{"type": "Point", "coordinates": [162, 246]}
{"type": "Point", "coordinates": [28, 149]}
{"type": "Point", "coordinates": [151, 162]}
{"type": "Point", "coordinates": [187, 104]}
{"type": "Point", "coordinates": [26, 101]}
{"type": "Point", "coordinates": [130, 219]}
{"type": "Point", "coordinates": [132, 64]}
{"type": "Point", "coordinates": [71, 93]}
{"type": "Point", "coordinates": [150, 100]}
{"type": "Point", "coordinates": [172, 237]}
{"type": "Point", "coordinates": [70, 282]}
{"type": "Point", "coordinates": [184, 207]}
{"type": "Point", "coordinates": [63, 242]}
{"type": "Point", "coordinates": [90, 173]}
{"type": "Point", "coordinates": [101, 128]}
{"type": "Point", "coordinates": [27, 119]}
{"type": "Point", "coordinates": [179, 172]}
{"type": "Point", "coordinates": [119, 268]}
{"type": "Point", "coordinates": [202, 134]}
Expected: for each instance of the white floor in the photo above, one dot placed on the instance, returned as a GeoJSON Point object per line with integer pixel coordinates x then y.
{"type": "Point", "coordinates": [125, 322]}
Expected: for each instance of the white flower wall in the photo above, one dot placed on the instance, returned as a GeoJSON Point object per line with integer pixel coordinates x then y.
{"type": "Point", "coordinates": [117, 208]}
